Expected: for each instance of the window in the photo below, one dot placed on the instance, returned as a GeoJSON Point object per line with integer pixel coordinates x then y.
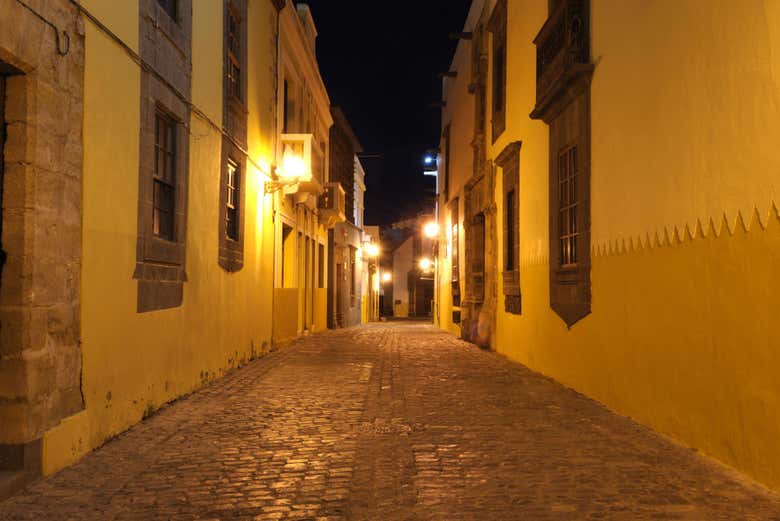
{"type": "Point", "coordinates": [164, 177]}
{"type": "Point", "coordinates": [288, 257]}
{"type": "Point", "coordinates": [163, 167]}
{"type": "Point", "coordinates": [353, 271]}
{"type": "Point", "coordinates": [234, 54]}
{"type": "Point", "coordinates": [498, 29]}
{"type": "Point", "coordinates": [234, 40]}
{"type": "Point", "coordinates": [321, 265]}
{"type": "Point", "coordinates": [498, 80]}
{"type": "Point", "coordinates": [455, 276]}
{"type": "Point", "coordinates": [509, 161]}
{"type": "Point", "coordinates": [563, 78]}
{"type": "Point", "coordinates": [510, 231]}
{"type": "Point", "coordinates": [446, 183]}
{"type": "Point", "coordinates": [231, 204]}
{"type": "Point", "coordinates": [233, 197]}
{"type": "Point", "coordinates": [170, 7]}
{"type": "Point", "coordinates": [286, 107]}
{"type": "Point", "coordinates": [478, 257]}
{"type": "Point", "coordinates": [567, 207]}
{"type": "Point", "coordinates": [234, 142]}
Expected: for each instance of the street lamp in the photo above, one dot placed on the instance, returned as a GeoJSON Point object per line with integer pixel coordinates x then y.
{"type": "Point", "coordinates": [372, 250]}
{"type": "Point", "coordinates": [431, 229]}
{"type": "Point", "coordinates": [292, 171]}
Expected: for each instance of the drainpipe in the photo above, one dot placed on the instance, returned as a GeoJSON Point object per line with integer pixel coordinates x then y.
{"type": "Point", "coordinates": [275, 201]}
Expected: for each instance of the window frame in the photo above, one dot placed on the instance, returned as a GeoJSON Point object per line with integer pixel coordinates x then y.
{"type": "Point", "coordinates": [234, 49]}
{"type": "Point", "coordinates": [164, 152]}
{"type": "Point", "coordinates": [568, 206]}
{"type": "Point", "coordinates": [231, 248]}
{"type": "Point", "coordinates": [160, 266]}
{"type": "Point", "coordinates": [509, 162]}
{"type": "Point", "coordinates": [498, 29]}
{"type": "Point", "coordinates": [455, 253]}
{"type": "Point", "coordinates": [233, 200]}
{"type": "Point", "coordinates": [234, 140]}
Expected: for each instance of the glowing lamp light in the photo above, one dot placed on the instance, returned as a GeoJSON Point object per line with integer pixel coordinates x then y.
{"type": "Point", "coordinates": [387, 277]}
{"type": "Point", "coordinates": [428, 160]}
{"type": "Point", "coordinates": [372, 250]}
{"type": "Point", "coordinates": [431, 229]}
{"type": "Point", "coordinates": [425, 264]}
{"type": "Point", "coordinates": [294, 168]}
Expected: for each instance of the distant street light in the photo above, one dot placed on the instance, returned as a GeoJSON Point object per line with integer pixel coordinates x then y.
{"type": "Point", "coordinates": [372, 250]}
{"type": "Point", "coordinates": [431, 230]}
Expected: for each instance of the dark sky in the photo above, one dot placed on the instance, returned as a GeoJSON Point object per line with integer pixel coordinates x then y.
{"type": "Point", "coordinates": [379, 59]}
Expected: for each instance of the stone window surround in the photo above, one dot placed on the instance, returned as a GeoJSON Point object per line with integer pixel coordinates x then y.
{"type": "Point", "coordinates": [455, 252]}
{"type": "Point", "coordinates": [165, 43]}
{"type": "Point", "coordinates": [563, 103]}
{"type": "Point", "coordinates": [235, 115]}
{"type": "Point", "coordinates": [231, 252]}
{"type": "Point", "coordinates": [446, 136]}
{"type": "Point", "coordinates": [509, 162]}
{"type": "Point", "coordinates": [498, 29]}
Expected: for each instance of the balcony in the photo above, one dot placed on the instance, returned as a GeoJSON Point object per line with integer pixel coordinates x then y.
{"type": "Point", "coordinates": [302, 159]}
{"type": "Point", "coordinates": [562, 56]}
{"type": "Point", "coordinates": [332, 205]}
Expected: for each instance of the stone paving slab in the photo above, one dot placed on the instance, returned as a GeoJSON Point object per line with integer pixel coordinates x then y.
{"type": "Point", "coordinates": [390, 422]}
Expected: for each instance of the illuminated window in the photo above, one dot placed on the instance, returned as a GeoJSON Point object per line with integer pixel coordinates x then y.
{"type": "Point", "coordinates": [567, 206]}
{"type": "Point", "coordinates": [164, 177]}
{"type": "Point", "coordinates": [233, 188]}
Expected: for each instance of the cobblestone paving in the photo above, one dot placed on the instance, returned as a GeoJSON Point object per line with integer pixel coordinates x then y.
{"type": "Point", "coordinates": [390, 422]}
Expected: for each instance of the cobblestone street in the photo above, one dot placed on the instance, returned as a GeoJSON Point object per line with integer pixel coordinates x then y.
{"type": "Point", "coordinates": [390, 422]}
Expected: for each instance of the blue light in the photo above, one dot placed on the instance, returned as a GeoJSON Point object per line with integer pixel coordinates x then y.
{"type": "Point", "coordinates": [428, 160]}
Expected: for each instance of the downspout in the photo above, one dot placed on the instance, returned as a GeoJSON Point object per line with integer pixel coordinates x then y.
{"type": "Point", "coordinates": [275, 212]}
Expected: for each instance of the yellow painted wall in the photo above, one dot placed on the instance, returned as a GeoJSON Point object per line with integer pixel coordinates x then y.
{"type": "Point", "coordinates": [120, 17]}
{"type": "Point", "coordinates": [134, 363]}
{"type": "Point", "coordinates": [682, 335]}
{"type": "Point", "coordinates": [285, 322]}
{"type": "Point", "coordinates": [320, 309]}
{"type": "Point", "coordinates": [207, 21]}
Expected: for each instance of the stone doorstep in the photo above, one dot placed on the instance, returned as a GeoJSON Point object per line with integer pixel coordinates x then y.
{"type": "Point", "coordinates": [19, 466]}
{"type": "Point", "coordinates": [12, 481]}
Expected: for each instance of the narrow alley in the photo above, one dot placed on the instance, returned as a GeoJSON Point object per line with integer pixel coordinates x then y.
{"type": "Point", "coordinates": [395, 421]}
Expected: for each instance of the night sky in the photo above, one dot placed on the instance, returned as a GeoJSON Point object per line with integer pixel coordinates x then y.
{"type": "Point", "coordinates": [380, 61]}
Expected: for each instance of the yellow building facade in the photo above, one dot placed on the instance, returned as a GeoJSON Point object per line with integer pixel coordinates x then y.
{"type": "Point", "coordinates": [186, 267]}
{"type": "Point", "coordinates": [302, 218]}
{"type": "Point", "coordinates": [661, 306]}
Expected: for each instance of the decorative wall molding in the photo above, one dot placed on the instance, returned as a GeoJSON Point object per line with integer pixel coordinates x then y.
{"type": "Point", "coordinates": [711, 228]}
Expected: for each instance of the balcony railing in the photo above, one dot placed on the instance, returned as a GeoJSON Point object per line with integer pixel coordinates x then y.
{"type": "Point", "coordinates": [562, 51]}
{"type": "Point", "coordinates": [332, 205]}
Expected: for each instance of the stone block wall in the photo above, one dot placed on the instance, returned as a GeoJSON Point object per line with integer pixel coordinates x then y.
{"type": "Point", "coordinates": [42, 61]}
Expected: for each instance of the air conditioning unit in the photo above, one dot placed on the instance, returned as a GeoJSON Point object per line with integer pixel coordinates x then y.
{"type": "Point", "coordinates": [332, 205]}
